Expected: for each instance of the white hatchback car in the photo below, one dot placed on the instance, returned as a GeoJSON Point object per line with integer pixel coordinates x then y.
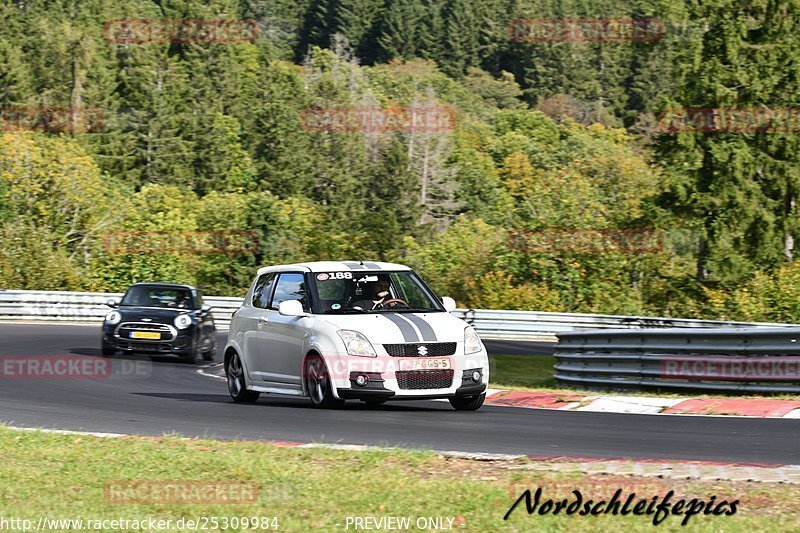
{"type": "Point", "coordinates": [335, 331]}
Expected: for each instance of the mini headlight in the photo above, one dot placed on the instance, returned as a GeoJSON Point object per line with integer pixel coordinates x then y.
{"type": "Point", "coordinates": [356, 344]}
{"type": "Point", "coordinates": [183, 321]}
{"type": "Point", "coordinates": [472, 343]}
{"type": "Point", "coordinates": [113, 317]}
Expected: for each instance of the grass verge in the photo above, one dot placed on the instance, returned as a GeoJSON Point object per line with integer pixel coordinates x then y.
{"type": "Point", "coordinates": [66, 476]}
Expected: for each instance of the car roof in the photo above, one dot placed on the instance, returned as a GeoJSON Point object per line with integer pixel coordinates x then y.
{"type": "Point", "coordinates": [335, 266]}
{"type": "Point", "coordinates": [158, 284]}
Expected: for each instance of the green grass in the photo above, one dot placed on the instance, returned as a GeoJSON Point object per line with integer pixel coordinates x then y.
{"type": "Point", "coordinates": [63, 476]}
{"type": "Point", "coordinates": [529, 372]}
{"type": "Point", "coordinates": [535, 373]}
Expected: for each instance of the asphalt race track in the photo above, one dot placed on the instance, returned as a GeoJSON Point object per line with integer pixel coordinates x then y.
{"type": "Point", "coordinates": [153, 397]}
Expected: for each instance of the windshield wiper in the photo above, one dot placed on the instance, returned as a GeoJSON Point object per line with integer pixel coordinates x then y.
{"type": "Point", "coordinates": [344, 311]}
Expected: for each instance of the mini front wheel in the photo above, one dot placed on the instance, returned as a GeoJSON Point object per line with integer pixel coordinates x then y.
{"type": "Point", "coordinates": [108, 349]}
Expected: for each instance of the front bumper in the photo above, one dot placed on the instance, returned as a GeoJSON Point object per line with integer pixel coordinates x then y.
{"type": "Point", "coordinates": [464, 391]}
{"type": "Point", "coordinates": [391, 378]}
{"type": "Point", "coordinates": [181, 343]}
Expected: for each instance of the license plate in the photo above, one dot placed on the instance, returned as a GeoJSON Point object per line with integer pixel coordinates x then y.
{"type": "Point", "coordinates": [145, 335]}
{"type": "Point", "coordinates": [425, 364]}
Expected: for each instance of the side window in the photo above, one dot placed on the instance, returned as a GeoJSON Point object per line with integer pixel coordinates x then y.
{"type": "Point", "coordinates": [290, 287]}
{"type": "Point", "coordinates": [263, 290]}
{"type": "Point", "coordinates": [198, 299]}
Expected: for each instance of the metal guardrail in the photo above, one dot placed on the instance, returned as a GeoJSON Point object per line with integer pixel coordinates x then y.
{"type": "Point", "coordinates": [90, 307]}
{"type": "Point", "coordinates": [86, 307]}
{"type": "Point", "coordinates": [520, 325]}
{"type": "Point", "coordinates": [725, 359]}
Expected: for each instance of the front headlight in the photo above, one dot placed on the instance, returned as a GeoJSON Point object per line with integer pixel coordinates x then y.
{"type": "Point", "coordinates": [113, 317]}
{"type": "Point", "coordinates": [472, 343]}
{"type": "Point", "coordinates": [183, 321]}
{"type": "Point", "coordinates": [356, 343]}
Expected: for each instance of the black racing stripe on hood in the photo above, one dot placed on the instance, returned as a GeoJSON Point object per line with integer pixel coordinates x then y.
{"type": "Point", "coordinates": [427, 331]}
{"type": "Point", "coordinates": [408, 331]}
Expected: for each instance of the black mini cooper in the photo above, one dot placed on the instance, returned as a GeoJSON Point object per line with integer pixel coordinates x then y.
{"type": "Point", "coordinates": [163, 318]}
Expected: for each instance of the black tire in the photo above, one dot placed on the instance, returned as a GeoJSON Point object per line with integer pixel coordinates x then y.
{"type": "Point", "coordinates": [209, 354]}
{"type": "Point", "coordinates": [107, 349]}
{"type": "Point", "coordinates": [191, 357]}
{"type": "Point", "coordinates": [472, 403]}
{"type": "Point", "coordinates": [234, 372]}
{"type": "Point", "coordinates": [318, 384]}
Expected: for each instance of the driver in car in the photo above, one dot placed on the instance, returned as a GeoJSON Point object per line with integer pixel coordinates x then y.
{"type": "Point", "coordinates": [379, 293]}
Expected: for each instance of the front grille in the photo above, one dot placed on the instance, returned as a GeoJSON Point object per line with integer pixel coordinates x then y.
{"type": "Point", "coordinates": [125, 329]}
{"type": "Point", "coordinates": [144, 325]}
{"type": "Point", "coordinates": [432, 349]}
{"type": "Point", "coordinates": [424, 379]}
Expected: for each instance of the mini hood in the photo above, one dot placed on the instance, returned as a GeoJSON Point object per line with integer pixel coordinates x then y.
{"type": "Point", "coordinates": [156, 315]}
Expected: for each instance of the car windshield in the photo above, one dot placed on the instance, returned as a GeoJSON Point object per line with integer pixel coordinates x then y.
{"type": "Point", "coordinates": [153, 296]}
{"type": "Point", "coordinates": [373, 292]}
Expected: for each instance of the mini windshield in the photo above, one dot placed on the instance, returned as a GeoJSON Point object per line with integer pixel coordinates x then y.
{"type": "Point", "coordinates": [373, 292]}
{"type": "Point", "coordinates": [154, 296]}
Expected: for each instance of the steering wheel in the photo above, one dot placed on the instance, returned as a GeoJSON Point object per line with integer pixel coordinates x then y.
{"type": "Point", "coordinates": [394, 302]}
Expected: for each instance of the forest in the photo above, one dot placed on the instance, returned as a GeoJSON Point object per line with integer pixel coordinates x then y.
{"type": "Point", "coordinates": [514, 166]}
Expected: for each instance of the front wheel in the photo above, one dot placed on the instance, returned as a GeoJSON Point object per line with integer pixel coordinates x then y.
{"type": "Point", "coordinates": [234, 373]}
{"type": "Point", "coordinates": [319, 385]}
{"type": "Point", "coordinates": [468, 404]}
{"type": "Point", "coordinates": [208, 355]}
{"type": "Point", "coordinates": [190, 357]}
{"type": "Point", "coordinates": [107, 349]}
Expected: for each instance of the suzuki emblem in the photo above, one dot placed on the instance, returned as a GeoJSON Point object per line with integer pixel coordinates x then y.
{"type": "Point", "coordinates": [422, 350]}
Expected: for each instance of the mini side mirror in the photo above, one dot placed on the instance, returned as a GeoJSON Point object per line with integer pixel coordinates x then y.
{"type": "Point", "coordinates": [205, 308]}
{"type": "Point", "coordinates": [449, 304]}
{"type": "Point", "coordinates": [112, 303]}
{"type": "Point", "coordinates": [291, 308]}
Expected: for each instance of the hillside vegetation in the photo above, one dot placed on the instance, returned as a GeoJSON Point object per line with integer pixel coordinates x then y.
{"type": "Point", "coordinates": [558, 141]}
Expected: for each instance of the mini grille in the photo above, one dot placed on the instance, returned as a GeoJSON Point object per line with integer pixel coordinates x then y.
{"type": "Point", "coordinates": [424, 379]}
{"type": "Point", "coordinates": [434, 349]}
{"type": "Point", "coordinates": [144, 325]}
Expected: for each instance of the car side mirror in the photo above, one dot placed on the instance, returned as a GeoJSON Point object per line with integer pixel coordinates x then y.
{"type": "Point", "coordinates": [449, 304]}
{"type": "Point", "coordinates": [205, 308]}
{"type": "Point", "coordinates": [112, 303]}
{"type": "Point", "coordinates": [291, 308]}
